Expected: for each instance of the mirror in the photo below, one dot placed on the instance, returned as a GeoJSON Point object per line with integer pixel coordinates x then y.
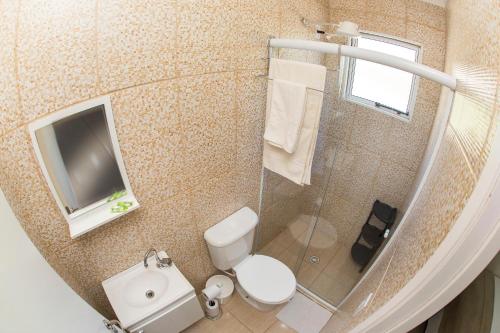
{"type": "Point", "coordinates": [79, 157]}
{"type": "Point", "coordinates": [78, 151]}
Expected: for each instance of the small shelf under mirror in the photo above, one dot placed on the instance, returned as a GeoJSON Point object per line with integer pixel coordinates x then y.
{"type": "Point", "coordinates": [78, 152]}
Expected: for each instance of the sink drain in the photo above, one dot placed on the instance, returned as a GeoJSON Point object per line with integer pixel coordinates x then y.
{"type": "Point", "coordinates": [314, 259]}
{"type": "Point", "coordinates": [150, 294]}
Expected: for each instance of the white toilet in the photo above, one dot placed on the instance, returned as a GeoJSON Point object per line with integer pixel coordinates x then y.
{"type": "Point", "coordinates": [262, 281]}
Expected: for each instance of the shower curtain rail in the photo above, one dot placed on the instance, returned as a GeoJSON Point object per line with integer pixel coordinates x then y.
{"type": "Point", "coordinates": [369, 55]}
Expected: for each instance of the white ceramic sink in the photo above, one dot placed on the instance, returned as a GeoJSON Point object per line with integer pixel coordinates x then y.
{"type": "Point", "coordinates": [140, 292]}
{"type": "Point", "coordinates": [145, 288]}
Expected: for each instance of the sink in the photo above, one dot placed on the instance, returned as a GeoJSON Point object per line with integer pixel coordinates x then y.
{"type": "Point", "coordinates": [140, 293]}
{"type": "Point", "coordinates": [145, 288]}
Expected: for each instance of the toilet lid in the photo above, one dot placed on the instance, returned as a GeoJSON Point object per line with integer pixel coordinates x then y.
{"type": "Point", "coordinates": [266, 279]}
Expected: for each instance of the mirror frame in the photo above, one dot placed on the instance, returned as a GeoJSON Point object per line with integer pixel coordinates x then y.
{"type": "Point", "coordinates": [98, 213]}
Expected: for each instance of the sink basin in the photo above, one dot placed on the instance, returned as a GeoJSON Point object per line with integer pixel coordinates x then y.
{"type": "Point", "coordinates": [145, 288]}
{"type": "Point", "coordinates": [139, 292]}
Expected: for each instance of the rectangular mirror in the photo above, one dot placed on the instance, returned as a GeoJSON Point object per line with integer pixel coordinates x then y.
{"type": "Point", "coordinates": [78, 152]}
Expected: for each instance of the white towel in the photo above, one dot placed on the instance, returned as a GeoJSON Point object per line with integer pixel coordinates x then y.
{"type": "Point", "coordinates": [297, 166]}
{"type": "Point", "coordinates": [286, 114]}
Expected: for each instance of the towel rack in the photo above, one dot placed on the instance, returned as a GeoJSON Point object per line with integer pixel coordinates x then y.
{"type": "Point", "coordinates": [270, 79]}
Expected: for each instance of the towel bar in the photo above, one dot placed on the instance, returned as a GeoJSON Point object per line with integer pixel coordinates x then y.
{"type": "Point", "coordinates": [270, 79]}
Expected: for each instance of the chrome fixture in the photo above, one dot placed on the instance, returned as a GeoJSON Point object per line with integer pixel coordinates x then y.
{"type": "Point", "coordinates": [150, 294]}
{"type": "Point", "coordinates": [344, 28]}
{"type": "Point", "coordinates": [314, 259]}
{"type": "Point", "coordinates": [114, 325]}
{"type": "Point", "coordinates": [160, 262]}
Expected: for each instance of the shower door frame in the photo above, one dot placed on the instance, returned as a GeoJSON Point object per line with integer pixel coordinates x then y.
{"type": "Point", "coordinates": [446, 80]}
{"type": "Point", "coordinates": [466, 250]}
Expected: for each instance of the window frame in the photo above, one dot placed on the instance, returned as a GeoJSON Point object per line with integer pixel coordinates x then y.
{"type": "Point", "coordinates": [349, 67]}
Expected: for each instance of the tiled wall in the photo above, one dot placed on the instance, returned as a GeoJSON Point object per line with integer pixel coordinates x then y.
{"type": "Point", "coordinates": [377, 156]}
{"type": "Point", "coordinates": [473, 56]}
{"type": "Point", "coordinates": [188, 111]}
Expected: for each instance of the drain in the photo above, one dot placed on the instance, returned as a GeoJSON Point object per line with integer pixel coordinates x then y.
{"type": "Point", "coordinates": [314, 259]}
{"type": "Point", "coordinates": [150, 294]}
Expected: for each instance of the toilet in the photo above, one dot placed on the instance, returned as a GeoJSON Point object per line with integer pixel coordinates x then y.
{"type": "Point", "coordinates": [262, 281]}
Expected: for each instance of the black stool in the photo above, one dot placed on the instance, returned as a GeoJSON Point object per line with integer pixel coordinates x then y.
{"type": "Point", "coordinates": [371, 234]}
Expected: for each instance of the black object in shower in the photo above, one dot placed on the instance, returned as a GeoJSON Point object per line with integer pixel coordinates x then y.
{"type": "Point", "coordinates": [371, 236]}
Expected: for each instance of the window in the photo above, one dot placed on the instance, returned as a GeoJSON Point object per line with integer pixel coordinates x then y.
{"type": "Point", "coordinates": [381, 87]}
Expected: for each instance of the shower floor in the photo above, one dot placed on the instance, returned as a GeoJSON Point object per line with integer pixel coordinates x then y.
{"type": "Point", "coordinates": [334, 275]}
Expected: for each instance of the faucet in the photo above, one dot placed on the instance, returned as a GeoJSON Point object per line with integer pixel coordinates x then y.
{"type": "Point", "coordinates": [160, 262]}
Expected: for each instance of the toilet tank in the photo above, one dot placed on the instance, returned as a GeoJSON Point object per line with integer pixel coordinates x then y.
{"type": "Point", "coordinates": [230, 241]}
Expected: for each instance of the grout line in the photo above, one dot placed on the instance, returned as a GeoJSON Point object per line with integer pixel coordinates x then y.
{"type": "Point", "coordinates": [236, 317]}
{"type": "Point", "coordinates": [236, 294]}
{"type": "Point", "coordinates": [122, 89]}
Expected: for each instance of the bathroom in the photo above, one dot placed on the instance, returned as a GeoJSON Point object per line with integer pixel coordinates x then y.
{"type": "Point", "coordinates": [188, 84]}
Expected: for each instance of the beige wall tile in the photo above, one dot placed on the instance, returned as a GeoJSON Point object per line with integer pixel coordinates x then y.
{"type": "Point", "coordinates": [433, 44]}
{"type": "Point", "coordinates": [202, 61]}
{"type": "Point", "coordinates": [348, 4]}
{"type": "Point", "coordinates": [202, 25]}
{"type": "Point", "coordinates": [393, 182]}
{"type": "Point", "coordinates": [136, 42]}
{"type": "Point", "coordinates": [253, 27]}
{"type": "Point", "coordinates": [353, 174]}
{"type": "Point", "coordinates": [385, 24]}
{"type": "Point", "coordinates": [371, 130]}
{"type": "Point", "coordinates": [149, 131]}
{"type": "Point", "coordinates": [353, 15]}
{"type": "Point", "coordinates": [407, 141]}
{"type": "Point", "coordinates": [10, 117]}
{"type": "Point", "coordinates": [450, 185]}
{"type": "Point", "coordinates": [208, 107]}
{"type": "Point", "coordinates": [57, 55]}
{"type": "Point", "coordinates": [394, 8]}
{"type": "Point", "coordinates": [28, 193]}
{"type": "Point", "coordinates": [169, 226]}
{"type": "Point", "coordinates": [426, 13]}
{"type": "Point", "coordinates": [213, 201]}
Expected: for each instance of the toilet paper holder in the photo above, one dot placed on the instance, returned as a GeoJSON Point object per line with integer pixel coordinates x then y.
{"type": "Point", "coordinates": [213, 309]}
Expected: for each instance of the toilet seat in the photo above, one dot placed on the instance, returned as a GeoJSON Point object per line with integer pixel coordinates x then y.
{"type": "Point", "coordinates": [266, 279]}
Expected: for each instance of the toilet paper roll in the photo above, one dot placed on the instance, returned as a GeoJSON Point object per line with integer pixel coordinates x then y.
{"type": "Point", "coordinates": [211, 292]}
{"type": "Point", "coordinates": [212, 308]}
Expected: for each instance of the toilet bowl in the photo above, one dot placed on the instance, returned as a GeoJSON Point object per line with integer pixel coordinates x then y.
{"type": "Point", "coordinates": [262, 281]}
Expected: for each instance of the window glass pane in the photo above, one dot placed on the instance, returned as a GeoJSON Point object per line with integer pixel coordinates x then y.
{"type": "Point", "coordinates": [378, 83]}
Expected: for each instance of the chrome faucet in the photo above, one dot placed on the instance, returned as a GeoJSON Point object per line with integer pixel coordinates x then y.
{"type": "Point", "coordinates": [160, 262]}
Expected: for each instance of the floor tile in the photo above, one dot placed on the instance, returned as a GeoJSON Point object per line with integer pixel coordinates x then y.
{"type": "Point", "coordinates": [279, 327]}
{"type": "Point", "coordinates": [332, 290]}
{"type": "Point", "coordinates": [273, 249]}
{"type": "Point", "coordinates": [257, 321]}
{"type": "Point", "coordinates": [307, 274]}
{"type": "Point", "coordinates": [226, 324]}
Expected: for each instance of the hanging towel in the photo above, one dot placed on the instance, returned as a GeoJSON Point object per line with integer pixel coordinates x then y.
{"type": "Point", "coordinates": [286, 114]}
{"type": "Point", "coordinates": [297, 165]}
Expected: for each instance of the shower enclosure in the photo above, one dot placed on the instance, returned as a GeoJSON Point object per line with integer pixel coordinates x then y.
{"type": "Point", "coordinates": [312, 228]}
{"type": "Point", "coordinates": [307, 228]}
